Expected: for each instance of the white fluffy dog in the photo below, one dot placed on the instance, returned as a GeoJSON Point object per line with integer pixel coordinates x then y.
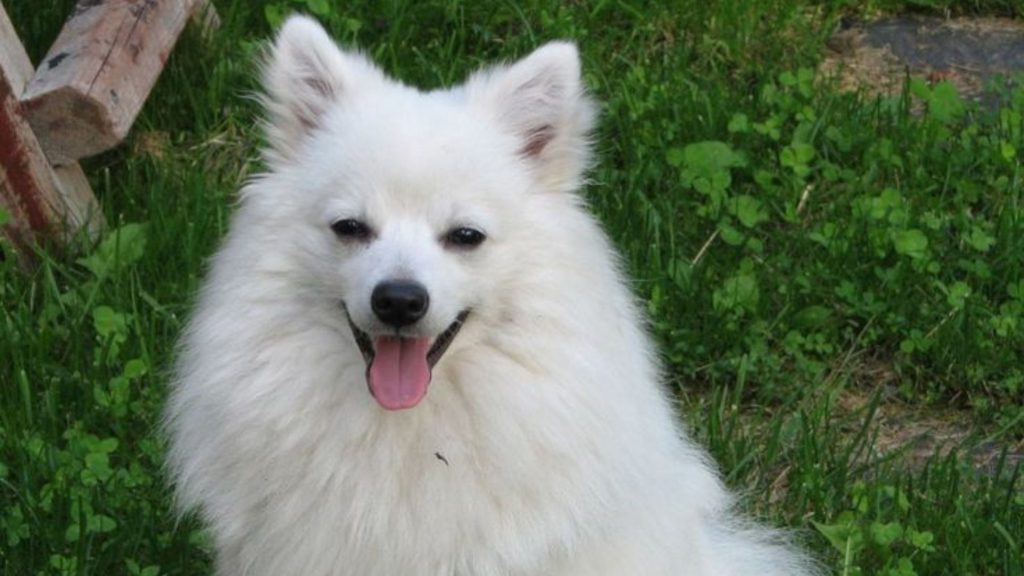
{"type": "Point", "coordinates": [415, 353]}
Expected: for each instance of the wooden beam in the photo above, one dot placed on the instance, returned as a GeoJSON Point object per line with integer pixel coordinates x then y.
{"type": "Point", "coordinates": [43, 201]}
{"type": "Point", "coordinates": [92, 83]}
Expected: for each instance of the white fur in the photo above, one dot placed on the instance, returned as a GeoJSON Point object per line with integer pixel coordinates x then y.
{"type": "Point", "coordinates": [544, 446]}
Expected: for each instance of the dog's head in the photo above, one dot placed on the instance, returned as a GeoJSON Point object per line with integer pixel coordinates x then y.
{"type": "Point", "coordinates": [411, 210]}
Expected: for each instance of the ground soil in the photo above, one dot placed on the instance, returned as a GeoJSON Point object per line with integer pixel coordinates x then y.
{"type": "Point", "coordinates": [876, 57]}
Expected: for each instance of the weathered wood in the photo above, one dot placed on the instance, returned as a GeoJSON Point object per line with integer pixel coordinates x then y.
{"type": "Point", "coordinates": [43, 201]}
{"type": "Point", "coordinates": [92, 83]}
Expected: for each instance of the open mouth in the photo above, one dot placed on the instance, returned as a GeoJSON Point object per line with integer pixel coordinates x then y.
{"type": "Point", "coordinates": [398, 368]}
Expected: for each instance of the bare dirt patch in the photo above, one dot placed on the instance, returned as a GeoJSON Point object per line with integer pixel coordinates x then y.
{"type": "Point", "coordinates": [877, 56]}
{"type": "Point", "coordinates": [914, 434]}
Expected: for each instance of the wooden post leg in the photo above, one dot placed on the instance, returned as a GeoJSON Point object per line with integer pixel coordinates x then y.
{"type": "Point", "coordinates": [92, 83]}
{"type": "Point", "coordinates": [43, 201]}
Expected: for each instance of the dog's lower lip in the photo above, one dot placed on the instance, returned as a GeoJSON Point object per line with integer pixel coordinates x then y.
{"type": "Point", "coordinates": [444, 339]}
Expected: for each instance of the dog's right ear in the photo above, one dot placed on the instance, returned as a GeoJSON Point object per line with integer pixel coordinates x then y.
{"type": "Point", "coordinates": [304, 75]}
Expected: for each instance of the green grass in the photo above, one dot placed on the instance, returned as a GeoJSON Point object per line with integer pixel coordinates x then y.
{"type": "Point", "coordinates": [849, 249]}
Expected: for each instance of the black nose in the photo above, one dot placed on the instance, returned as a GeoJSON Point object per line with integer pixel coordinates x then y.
{"type": "Point", "coordinates": [399, 303]}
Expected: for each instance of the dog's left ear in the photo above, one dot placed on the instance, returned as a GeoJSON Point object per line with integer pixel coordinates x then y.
{"type": "Point", "coordinates": [541, 100]}
{"type": "Point", "coordinates": [304, 75]}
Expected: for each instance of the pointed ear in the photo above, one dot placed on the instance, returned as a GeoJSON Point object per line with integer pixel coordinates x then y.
{"type": "Point", "coordinates": [304, 74]}
{"type": "Point", "coordinates": [541, 101]}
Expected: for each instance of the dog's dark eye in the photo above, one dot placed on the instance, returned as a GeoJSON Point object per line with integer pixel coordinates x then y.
{"type": "Point", "coordinates": [351, 229]}
{"type": "Point", "coordinates": [464, 237]}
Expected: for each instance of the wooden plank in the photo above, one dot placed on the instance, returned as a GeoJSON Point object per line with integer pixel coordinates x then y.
{"type": "Point", "coordinates": [13, 58]}
{"type": "Point", "coordinates": [92, 83]}
{"type": "Point", "coordinates": [43, 202]}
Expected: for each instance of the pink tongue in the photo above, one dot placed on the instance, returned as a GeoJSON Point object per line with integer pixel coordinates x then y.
{"type": "Point", "coordinates": [399, 373]}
